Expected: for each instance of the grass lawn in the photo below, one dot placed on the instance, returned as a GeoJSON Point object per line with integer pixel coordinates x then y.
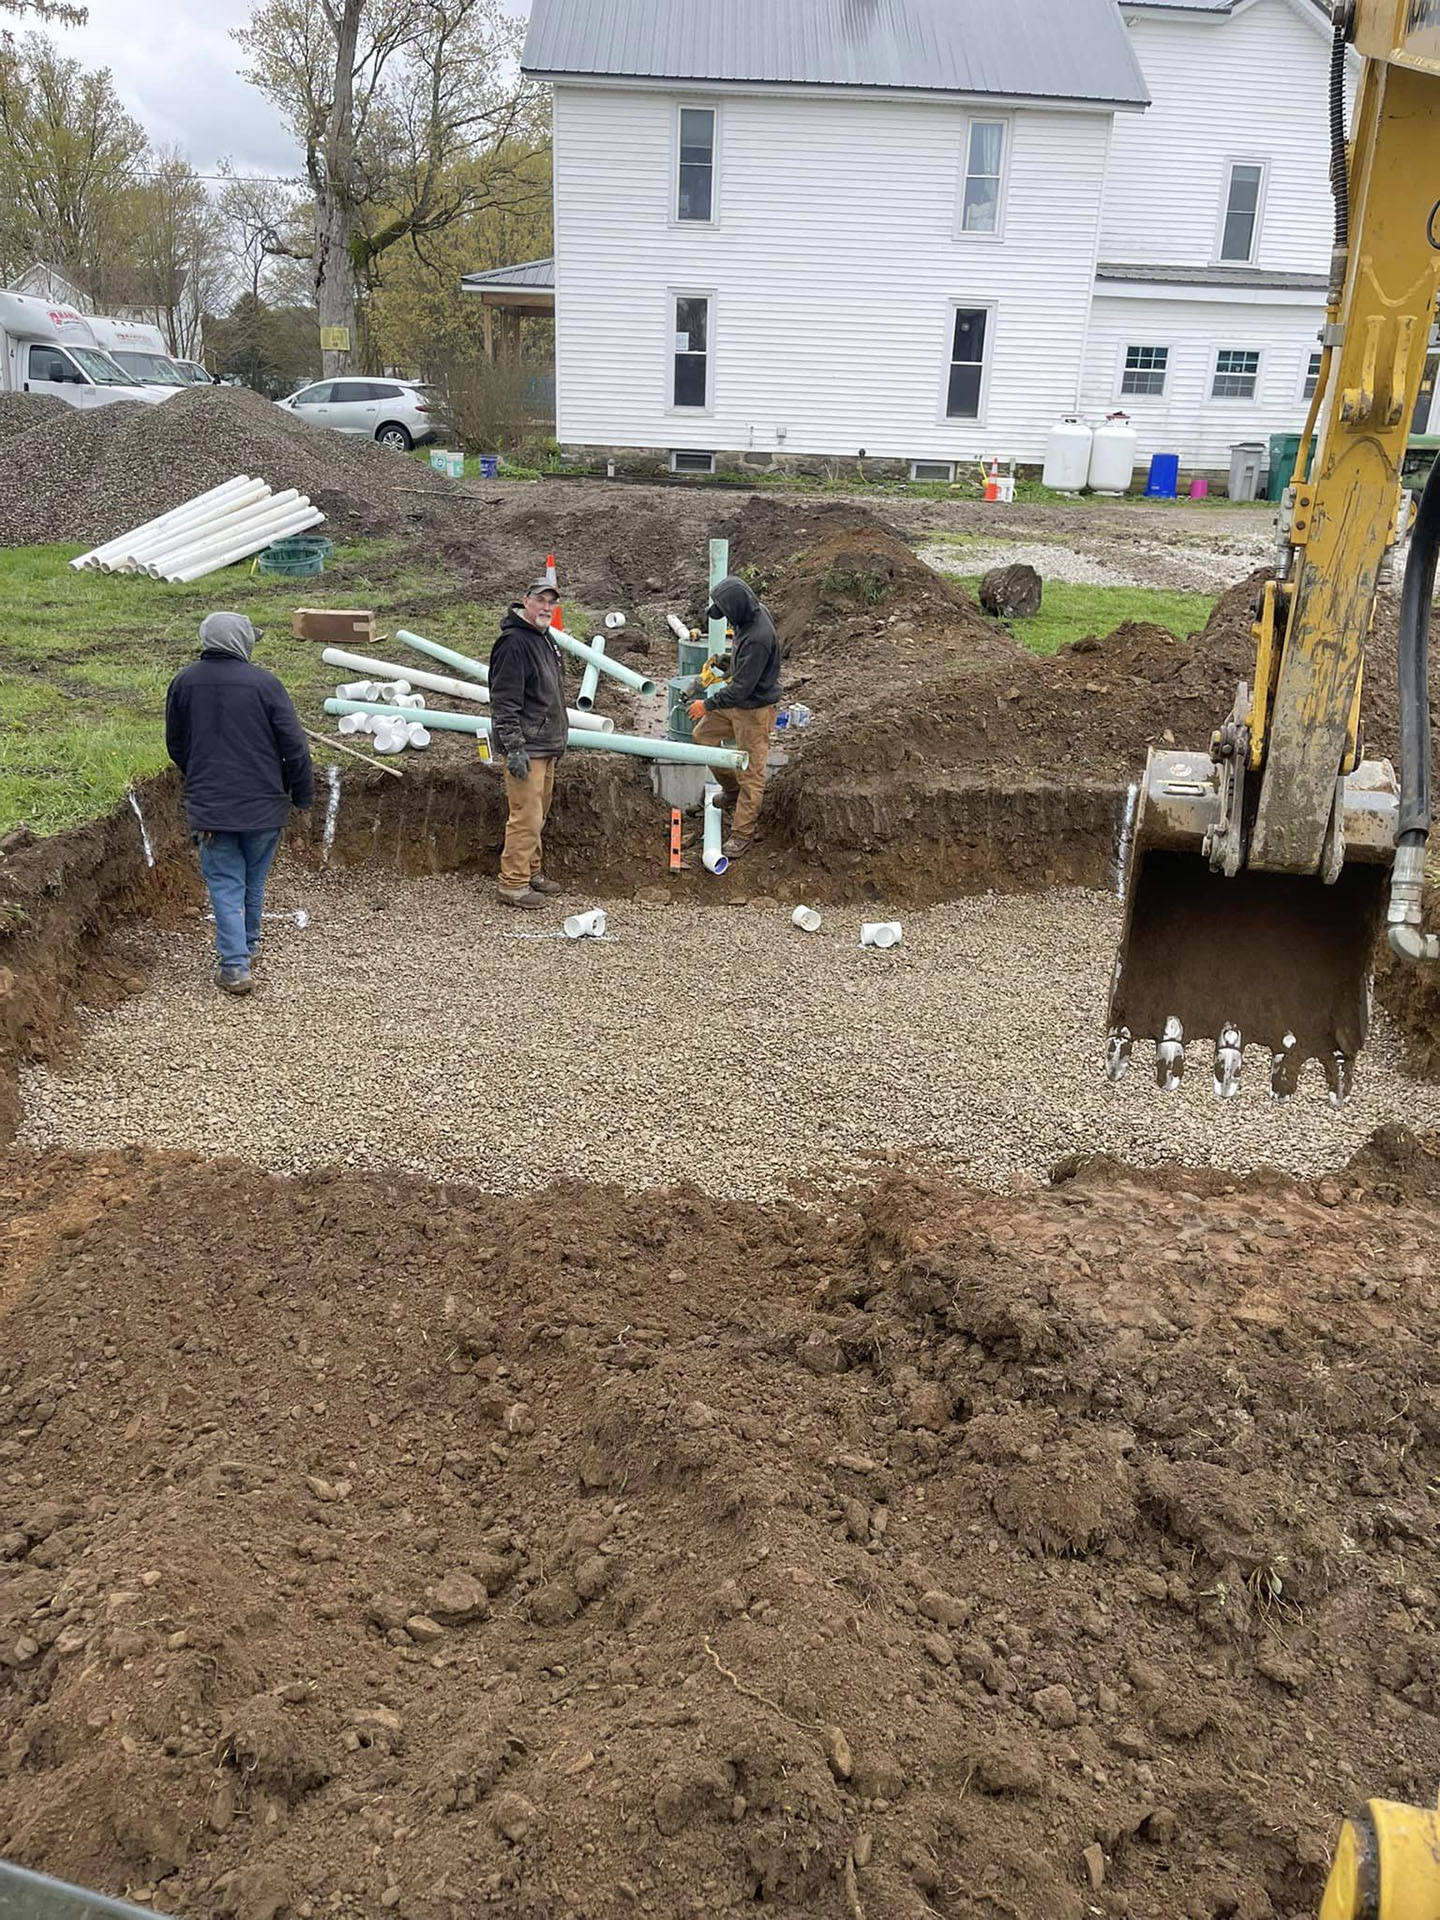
{"type": "Point", "coordinates": [1072, 613]}
{"type": "Point", "coordinates": [85, 659]}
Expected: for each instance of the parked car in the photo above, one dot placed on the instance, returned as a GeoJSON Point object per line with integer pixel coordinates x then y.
{"type": "Point", "coordinates": [397, 413]}
{"type": "Point", "coordinates": [196, 375]}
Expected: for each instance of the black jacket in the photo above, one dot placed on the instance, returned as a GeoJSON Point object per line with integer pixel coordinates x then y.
{"type": "Point", "coordinates": [232, 730]}
{"type": "Point", "coordinates": [527, 694]}
{"type": "Point", "coordinates": [755, 679]}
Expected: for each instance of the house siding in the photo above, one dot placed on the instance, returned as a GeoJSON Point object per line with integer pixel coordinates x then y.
{"type": "Point", "coordinates": [834, 267]}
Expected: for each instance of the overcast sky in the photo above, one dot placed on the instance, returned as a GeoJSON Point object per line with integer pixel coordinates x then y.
{"type": "Point", "coordinates": [176, 69]}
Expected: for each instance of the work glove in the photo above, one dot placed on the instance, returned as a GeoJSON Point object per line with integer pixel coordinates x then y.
{"type": "Point", "coordinates": [697, 709]}
{"type": "Point", "coordinates": [517, 763]}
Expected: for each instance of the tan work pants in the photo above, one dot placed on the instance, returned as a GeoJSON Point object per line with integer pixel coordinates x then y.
{"type": "Point", "coordinates": [529, 800]}
{"type": "Point", "coordinates": [748, 728]}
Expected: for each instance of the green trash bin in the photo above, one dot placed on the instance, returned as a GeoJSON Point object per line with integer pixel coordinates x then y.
{"type": "Point", "coordinates": [1284, 452]}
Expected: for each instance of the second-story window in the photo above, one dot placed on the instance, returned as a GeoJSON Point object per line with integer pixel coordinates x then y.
{"type": "Point", "coordinates": [1240, 234]}
{"type": "Point", "coordinates": [984, 171]}
{"type": "Point", "coordinates": [695, 188]}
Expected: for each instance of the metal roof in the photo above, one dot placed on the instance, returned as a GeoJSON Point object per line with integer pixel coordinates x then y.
{"type": "Point", "coordinates": [538, 275]}
{"type": "Point", "coordinates": [1017, 49]}
{"type": "Point", "coordinates": [1216, 277]}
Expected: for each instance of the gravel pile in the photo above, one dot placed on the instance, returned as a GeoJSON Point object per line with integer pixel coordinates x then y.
{"type": "Point", "coordinates": [19, 412]}
{"type": "Point", "coordinates": [405, 1028]}
{"type": "Point", "coordinates": [1135, 563]}
{"type": "Point", "coordinates": [90, 476]}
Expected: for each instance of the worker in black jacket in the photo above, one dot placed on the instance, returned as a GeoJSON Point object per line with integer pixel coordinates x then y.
{"type": "Point", "coordinates": [528, 729]}
{"type": "Point", "coordinates": [741, 710]}
{"type": "Point", "coordinates": [232, 730]}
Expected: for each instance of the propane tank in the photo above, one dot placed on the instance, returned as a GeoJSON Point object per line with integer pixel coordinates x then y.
{"type": "Point", "coordinates": [1112, 455]}
{"type": "Point", "coordinates": [1067, 455]}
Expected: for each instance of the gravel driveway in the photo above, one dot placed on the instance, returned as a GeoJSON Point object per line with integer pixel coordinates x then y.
{"type": "Point", "coordinates": [406, 1028]}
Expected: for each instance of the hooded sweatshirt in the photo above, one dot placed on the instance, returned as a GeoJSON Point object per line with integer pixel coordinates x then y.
{"type": "Point", "coordinates": [527, 694]}
{"type": "Point", "coordinates": [755, 678]}
{"type": "Point", "coordinates": [232, 730]}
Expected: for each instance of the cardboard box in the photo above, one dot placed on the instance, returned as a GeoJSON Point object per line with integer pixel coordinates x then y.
{"type": "Point", "coordinates": [334, 626]}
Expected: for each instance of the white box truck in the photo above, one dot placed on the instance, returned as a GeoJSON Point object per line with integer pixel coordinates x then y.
{"type": "Point", "coordinates": [140, 350]}
{"type": "Point", "coordinates": [45, 348]}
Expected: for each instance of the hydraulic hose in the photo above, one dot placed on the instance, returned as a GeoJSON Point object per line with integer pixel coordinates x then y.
{"type": "Point", "coordinates": [1339, 161]}
{"type": "Point", "coordinates": [1417, 596]}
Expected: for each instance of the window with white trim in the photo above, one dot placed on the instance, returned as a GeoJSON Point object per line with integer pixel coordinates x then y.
{"type": "Point", "coordinates": [969, 343]}
{"type": "Point", "coordinates": [695, 166]}
{"type": "Point", "coordinates": [984, 174]}
{"type": "Point", "coordinates": [683, 460]}
{"type": "Point", "coordinates": [1237, 374]}
{"type": "Point", "coordinates": [1145, 372]}
{"type": "Point", "coordinates": [690, 374]}
{"type": "Point", "coordinates": [1312, 375]}
{"type": "Point", "coordinates": [1240, 233]}
{"type": "Point", "coordinates": [933, 470]}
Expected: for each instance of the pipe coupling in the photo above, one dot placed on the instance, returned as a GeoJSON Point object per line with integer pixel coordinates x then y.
{"type": "Point", "coordinates": [1407, 883]}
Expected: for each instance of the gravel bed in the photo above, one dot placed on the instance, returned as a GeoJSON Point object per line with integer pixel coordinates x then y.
{"type": "Point", "coordinates": [1210, 568]}
{"type": "Point", "coordinates": [404, 1028]}
{"type": "Point", "coordinates": [21, 411]}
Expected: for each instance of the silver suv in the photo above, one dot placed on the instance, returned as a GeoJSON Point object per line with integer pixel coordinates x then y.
{"type": "Point", "coordinates": [394, 412]}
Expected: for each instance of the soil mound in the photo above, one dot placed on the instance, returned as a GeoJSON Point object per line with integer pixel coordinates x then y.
{"type": "Point", "coordinates": [391, 1548]}
{"type": "Point", "coordinates": [90, 476]}
{"type": "Point", "coordinates": [21, 411]}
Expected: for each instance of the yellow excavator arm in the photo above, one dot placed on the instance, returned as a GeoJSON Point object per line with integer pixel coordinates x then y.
{"type": "Point", "coordinates": [1259, 866]}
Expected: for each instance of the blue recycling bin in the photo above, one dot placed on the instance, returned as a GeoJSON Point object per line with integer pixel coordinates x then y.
{"type": "Point", "coordinates": [1164, 481]}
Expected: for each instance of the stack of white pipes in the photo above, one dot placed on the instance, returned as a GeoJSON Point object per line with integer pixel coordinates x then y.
{"type": "Point", "coordinates": [213, 530]}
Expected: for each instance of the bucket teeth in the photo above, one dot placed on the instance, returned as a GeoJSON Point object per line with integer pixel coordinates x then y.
{"type": "Point", "coordinates": [1170, 1057]}
{"type": "Point", "coordinates": [1117, 1053]}
{"type": "Point", "coordinates": [1229, 1058]}
{"type": "Point", "coordinates": [1339, 1077]}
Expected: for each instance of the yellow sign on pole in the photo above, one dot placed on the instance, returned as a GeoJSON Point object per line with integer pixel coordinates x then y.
{"type": "Point", "coordinates": [334, 339]}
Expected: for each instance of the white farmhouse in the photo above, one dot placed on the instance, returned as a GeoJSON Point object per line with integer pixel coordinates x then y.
{"type": "Point", "coordinates": [925, 230]}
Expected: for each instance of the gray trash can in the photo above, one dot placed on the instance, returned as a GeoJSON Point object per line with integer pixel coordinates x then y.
{"type": "Point", "coordinates": [1247, 467]}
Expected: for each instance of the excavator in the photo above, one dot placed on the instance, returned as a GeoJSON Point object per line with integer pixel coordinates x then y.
{"type": "Point", "coordinates": [1263, 868]}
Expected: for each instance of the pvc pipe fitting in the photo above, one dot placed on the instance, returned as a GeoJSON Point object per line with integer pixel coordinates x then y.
{"type": "Point", "coordinates": [614, 622]}
{"type": "Point", "coordinates": [807, 919]}
{"type": "Point", "coordinates": [713, 835]}
{"type": "Point", "coordinates": [881, 933]}
{"type": "Point", "coordinates": [417, 736]}
{"type": "Point", "coordinates": [585, 926]}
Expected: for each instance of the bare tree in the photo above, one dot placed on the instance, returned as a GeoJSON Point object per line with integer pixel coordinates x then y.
{"type": "Point", "coordinates": [178, 248]}
{"type": "Point", "coordinates": [264, 222]}
{"type": "Point", "coordinates": [405, 110]}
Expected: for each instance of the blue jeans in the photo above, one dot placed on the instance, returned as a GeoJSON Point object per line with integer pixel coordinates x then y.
{"type": "Point", "coordinates": [235, 866]}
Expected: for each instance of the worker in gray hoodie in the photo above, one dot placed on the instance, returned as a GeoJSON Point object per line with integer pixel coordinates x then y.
{"type": "Point", "coordinates": [740, 711]}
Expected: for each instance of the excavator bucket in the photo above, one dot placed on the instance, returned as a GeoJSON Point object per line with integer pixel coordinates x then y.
{"type": "Point", "coordinates": [1278, 960]}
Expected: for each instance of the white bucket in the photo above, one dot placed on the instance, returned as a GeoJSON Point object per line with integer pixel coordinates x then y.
{"type": "Point", "coordinates": [881, 933]}
{"type": "Point", "coordinates": [807, 919]}
{"type": "Point", "coordinates": [585, 926]}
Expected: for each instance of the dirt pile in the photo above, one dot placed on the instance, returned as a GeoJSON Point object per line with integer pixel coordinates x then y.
{"type": "Point", "coordinates": [89, 476]}
{"type": "Point", "coordinates": [21, 411]}
{"type": "Point", "coordinates": [370, 1547]}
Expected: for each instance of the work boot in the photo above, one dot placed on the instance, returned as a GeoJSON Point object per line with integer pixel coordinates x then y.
{"type": "Point", "coordinates": [233, 979]}
{"type": "Point", "coordinates": [735, 845]}
{"type": "Point", "coordinates": [552, 889]}
{"type": "Point", "coordinates": [525, 898]}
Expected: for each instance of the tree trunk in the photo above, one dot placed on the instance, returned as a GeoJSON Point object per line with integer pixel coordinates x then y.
{"type": "Point", "coordinates": [336, 296]}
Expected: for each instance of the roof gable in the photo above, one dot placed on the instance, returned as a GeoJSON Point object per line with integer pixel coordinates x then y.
{"type": "Point", "coordinates": [1060, 50]}
{"type": "Point", "coordinates": [1315, 13]}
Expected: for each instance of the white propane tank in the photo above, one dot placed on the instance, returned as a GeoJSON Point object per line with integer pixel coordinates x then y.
{"type": "Point", "coordinates": [1067, 455]}
{"type": "Point", "coordinates": [1112, 457]}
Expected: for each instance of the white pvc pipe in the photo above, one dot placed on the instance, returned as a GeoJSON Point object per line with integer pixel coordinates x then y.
{"type": "Point", "coordinates": [213, 533]}
{"type": "Point", "coordinates": [714, 834]}
{"type": "Point", "coordinates": [161, 519]}
{"type": "Point", "coordinates": [594, 656]}
{"type": "Point", "coordinates": [137, 548]}
{"type": "Point", "coordinates": [590, 679]}
{"type": "Point", "coordinates": [442, 683]}
{"type": "Point", "coordinates": [137, 555]}
{"type": "Point", "coordinates": [250, 543]}
{"type": "Point", "coordinates": [263, 527]}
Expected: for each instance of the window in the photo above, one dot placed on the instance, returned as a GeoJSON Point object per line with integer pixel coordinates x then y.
{"type": "Point", "coordinates": [691, 387]}
{"type": "Point", "coordinates": [984, 168]}
{"type": "Point", "coordinates": [683, 462]}
{"type": "Point", "coordinates": [1145, 371]}
{"type": "Point", "coordinates": [352, 390]}
{"type": "Point", "coordinates": [49, 363]}
{"type": "Point", "coordinates": [1237, 372]}
{"type": "Point", "coordinates": [695, 195]}
{"type": "Point", "coordinates": [1241, 230]}
{"type": "Point", "coordinates": [933, 470]}
{"type": "Point", "coordinates": [967, 363]}
{"type": "Point", "coordinates": [316, 396]}
{"type": "Point", "coordinates": [1312, 376]}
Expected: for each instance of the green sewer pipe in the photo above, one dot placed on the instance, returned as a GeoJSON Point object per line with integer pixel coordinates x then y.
{"type": "Point", "coordinates": [673, 752]}
{"type": "Point", "coordinates": [601, 661]}
{"type": "Point", "coordinates": [448, 654]}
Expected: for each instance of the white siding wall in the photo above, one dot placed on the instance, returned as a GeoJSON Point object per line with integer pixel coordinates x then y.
{"type": "Point", "coordinates": [1187, 421]}
{"type": "Point", "coordinates": [1255, 87]}
{"type": "Point", "coordinates": [833, 268]}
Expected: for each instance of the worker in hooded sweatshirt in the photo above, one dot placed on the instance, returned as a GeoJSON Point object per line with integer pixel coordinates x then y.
{"type": "Point", "coordinates": [232, 730]}
{"type": "Point", "coordinates": [529, 728]}
{"type": "Point", "coordinates": [741, 710]}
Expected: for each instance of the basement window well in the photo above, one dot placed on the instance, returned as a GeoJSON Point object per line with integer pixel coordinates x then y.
{"type": "Point", "coordinates": [690, 462]}
{"type": "Point", "coordinates": [933, 470]}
